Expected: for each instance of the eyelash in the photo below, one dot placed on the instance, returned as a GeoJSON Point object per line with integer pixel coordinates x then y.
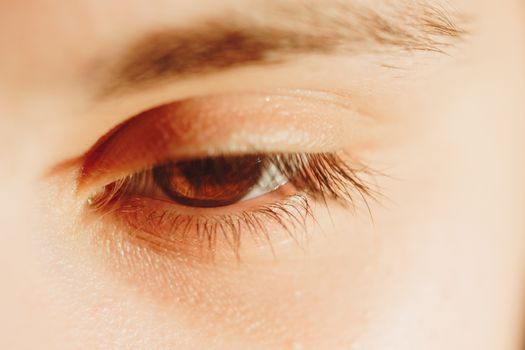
{"type": "Point", "coordinates": [321, 177]}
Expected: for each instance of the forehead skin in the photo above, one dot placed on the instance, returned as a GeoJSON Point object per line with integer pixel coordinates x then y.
{"type": "Point", "coordinates": [452, 245]}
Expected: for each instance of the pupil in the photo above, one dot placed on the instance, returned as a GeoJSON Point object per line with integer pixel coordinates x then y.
{"type": "Point", "coordinates": [209, 182]}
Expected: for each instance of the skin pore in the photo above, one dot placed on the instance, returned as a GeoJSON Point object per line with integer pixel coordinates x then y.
{"type": "Point", "coordinates": [425, 99]}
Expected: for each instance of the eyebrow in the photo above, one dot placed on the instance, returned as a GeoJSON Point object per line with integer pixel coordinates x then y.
{"type": "Point", "coordinates": [216, 45]}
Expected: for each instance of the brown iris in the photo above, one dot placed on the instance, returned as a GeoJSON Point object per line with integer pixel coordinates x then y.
{"type": "Point", "coordinates": [209, 182]}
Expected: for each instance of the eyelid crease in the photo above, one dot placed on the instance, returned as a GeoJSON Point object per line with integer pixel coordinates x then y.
{"type": "Point", "coordinates": [295, 121]}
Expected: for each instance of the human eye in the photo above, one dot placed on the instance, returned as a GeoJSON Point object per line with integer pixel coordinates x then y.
{"type": "Point", "coordinates": [185, 199]}
{"type": "Point", "coordinates": [203, 205]}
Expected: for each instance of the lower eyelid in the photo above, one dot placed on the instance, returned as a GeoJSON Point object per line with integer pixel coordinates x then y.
{"type": "Point", "coordinates": [216, 234]}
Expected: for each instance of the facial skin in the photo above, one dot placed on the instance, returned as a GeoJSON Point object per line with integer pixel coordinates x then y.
{"type": "Point", "coordinates": [434, 107]}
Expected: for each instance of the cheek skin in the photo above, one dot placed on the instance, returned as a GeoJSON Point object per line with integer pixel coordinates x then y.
{"type": "Point", "coordinates": [305, 295]}
{"type": "Point", "coordinates": [321, 295]}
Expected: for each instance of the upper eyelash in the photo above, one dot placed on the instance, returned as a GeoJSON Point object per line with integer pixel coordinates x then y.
{"type": "Point", "coordinates": [326, 176]}
{"type": "Point", "coordinates": [320, 176]}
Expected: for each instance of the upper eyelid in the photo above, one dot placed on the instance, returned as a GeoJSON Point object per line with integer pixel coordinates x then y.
{"type": "Point", "coordinates": [296, 121]}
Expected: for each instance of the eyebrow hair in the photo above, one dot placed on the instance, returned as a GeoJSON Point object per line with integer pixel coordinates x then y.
{"type": "Point", "coordinates": [307, 28]}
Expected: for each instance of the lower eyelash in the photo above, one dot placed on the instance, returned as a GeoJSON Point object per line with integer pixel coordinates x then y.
{"type": "Point", "coordinates": [320, 177]}
{"type": "Point", "coordinates": [170, 232]}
